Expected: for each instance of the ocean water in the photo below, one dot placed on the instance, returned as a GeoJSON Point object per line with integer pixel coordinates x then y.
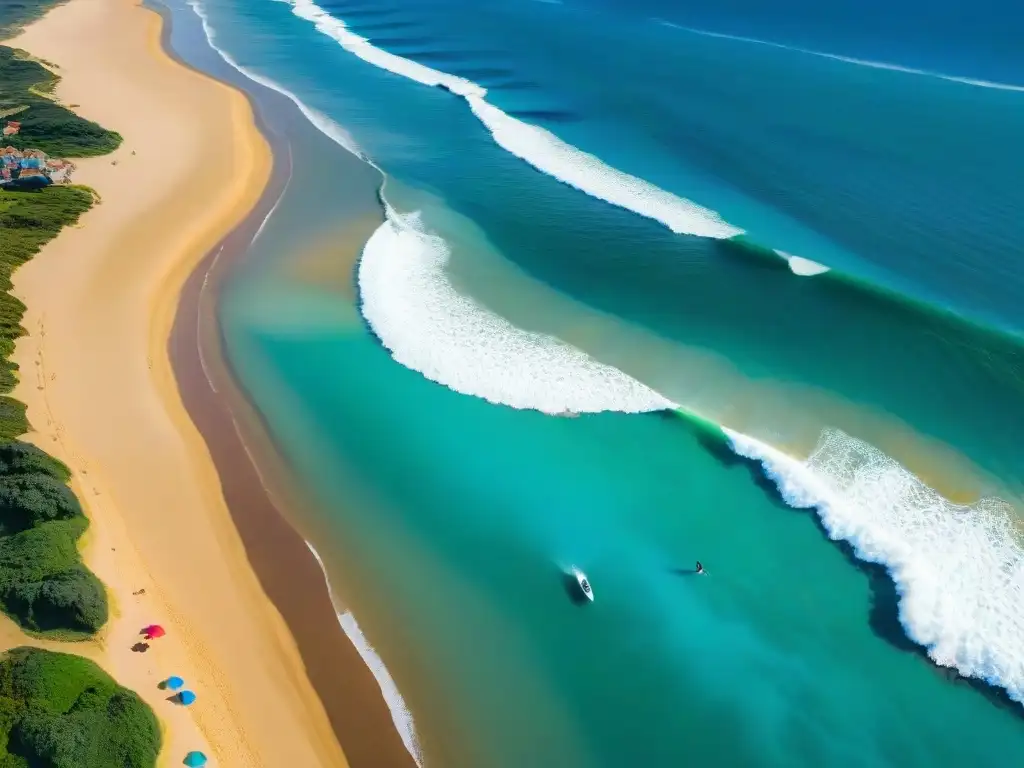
{"type": "Point", "coordinates": [622, 286]}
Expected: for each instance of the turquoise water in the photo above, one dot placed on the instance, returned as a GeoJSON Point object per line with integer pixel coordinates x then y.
{"type": "Point", "coordinates": [525, 367]}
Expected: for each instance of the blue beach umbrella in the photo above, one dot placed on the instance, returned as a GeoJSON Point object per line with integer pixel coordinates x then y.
{"type": "Point", "coordinates": [174, 683]}
{"type": "Point", "coordinates": [186, 697]}
{"type": "Point", "coordinates": [195, 759]}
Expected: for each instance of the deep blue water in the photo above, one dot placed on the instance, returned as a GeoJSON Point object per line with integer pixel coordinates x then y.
{"type": "Point", "coordinates": [975, 40]}
{"type": "Point", "coordinates": [565, 242]}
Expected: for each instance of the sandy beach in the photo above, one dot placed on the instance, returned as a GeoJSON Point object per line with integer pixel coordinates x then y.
{"type": "Point", "coordinates": [101, 393]}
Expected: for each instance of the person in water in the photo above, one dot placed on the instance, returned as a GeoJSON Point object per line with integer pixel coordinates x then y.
{"type": "Point", "coordinates": [700, 568]}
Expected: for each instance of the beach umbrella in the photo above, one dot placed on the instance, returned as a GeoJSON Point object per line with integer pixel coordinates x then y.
{"type": "Point", "coordinates": [195, 759]}
{"type": "Point", "coordinates": [154, 631]}
{"type": "Point", "coordinates": [186, 697]}
{"type": "Point", "coordinates": [174, 683]}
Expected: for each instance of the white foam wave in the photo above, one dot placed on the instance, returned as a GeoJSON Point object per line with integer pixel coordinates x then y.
{"type": "Point", "coordinates": [538, 147]}
{"type": "Point", "coordinates": [361, 47]}
{"type": "Point", "coordinates": [959, 570]}
{"type": "Point", "coordinates": [400, 714]}
{"type": "Point", "coordinates": [849, 59]}
{"type": "Point", "coordinates": [322, 122]}
{"type": "Point", "coordinates": [429, 327]}
{"type": "Point", "coordinates": [801, 266]}
{"type": "Point", "coordinates": [588, 173]}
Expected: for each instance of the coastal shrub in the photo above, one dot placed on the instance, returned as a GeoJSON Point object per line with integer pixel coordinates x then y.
{"type": "Point", "coordinates": [18, 458]}
{"type": "Point", "coordinates": [43, 584]}
{"type": "Point", "coordinates": [14, 14]}
{"type": "Point", "coordinates": [46, 549]}
{"type": "Point", "coordinates": [63, 711]}
{"type": "Point", "coordinates": [28, 500]}
{"type": "Point", "coordinates": [65, 602]}
{"type": "Point", "coordinates": [46, 125]}
{"type": "Point", "coordinates": [13, 421]}
{"type": "Point", "coordinates": [28, 220]}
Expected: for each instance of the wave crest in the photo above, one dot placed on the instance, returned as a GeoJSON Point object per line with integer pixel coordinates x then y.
{"type": "Point", "coordinates": [538, 147]}
{"type": "Point", "coordinates": [431, 328]}
{"type": "Point", "coordinates": [959, 569]}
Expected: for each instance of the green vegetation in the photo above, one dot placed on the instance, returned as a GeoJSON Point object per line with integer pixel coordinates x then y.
{"type": "Point", "coordinates": [56, 710]}
{"type": "Point", "coordinates": [63, 711]}
{"type": "Point", "coordinates": [15, 14]}
{"type": "Point", "coordinates": [43, 584]}
{"type": "Point", "coordinates": [25, 85]}
{"type": "Point", "coordinates": [27, 221]}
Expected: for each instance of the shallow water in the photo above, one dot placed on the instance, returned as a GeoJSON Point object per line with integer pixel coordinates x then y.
{"type": "Point", "coordinates": [556, 244]}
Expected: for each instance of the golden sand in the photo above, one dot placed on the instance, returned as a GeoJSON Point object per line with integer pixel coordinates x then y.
{"type": "Point", "coordinates": [101, 395]}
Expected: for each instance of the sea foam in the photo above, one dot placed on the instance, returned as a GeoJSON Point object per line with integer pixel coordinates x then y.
{"type": "Point", "coordinates": [320, 121]}
{"type": "Point", "coordinates": [400, 714]}
{"type": "Point", "coordinates": [798, 265]}
{"type": "Point", "coordinates": [959, 570]}
{"type": "Point", "coordinates": [431, 328]}
{"type": "Point", "coordinates": [538, 147]}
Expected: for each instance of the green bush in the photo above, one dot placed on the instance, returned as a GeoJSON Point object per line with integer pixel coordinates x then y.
{"type": "Point", "coordinates": [28, 220]}
{"type": "Point", "coordinates": [66, 602]}
{"type": "Point", "coordinates": [14, 14]}
{"type": "Point", "coordinates": [27, 459]}
{"type": "Point", "coordinates": [63, 711]}
{"type": "Point", "coordinates": [46, 125]}
{"type": "Point", "coordinates": [28, 500]}
{"type": "Point", "coordinates": [43, 584]}
{"type": "Point", "coordinates": [13, 421]}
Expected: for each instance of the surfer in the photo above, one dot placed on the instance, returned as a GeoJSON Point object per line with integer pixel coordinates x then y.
{"type": "Point", "coordinates": [699, 569]}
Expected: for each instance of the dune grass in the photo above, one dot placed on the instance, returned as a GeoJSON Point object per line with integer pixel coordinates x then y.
{"type": "Point", "coordinates": [62, 711]}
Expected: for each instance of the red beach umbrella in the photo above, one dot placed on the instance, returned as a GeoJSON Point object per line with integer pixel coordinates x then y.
{"type": "Point", "coordinates": [153, 631]}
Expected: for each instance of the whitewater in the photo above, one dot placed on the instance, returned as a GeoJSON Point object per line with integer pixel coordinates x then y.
{"type": "Point", "coordinates": [959, 569]}
{"type": "Point", "coordinates": [536, 146]}
{"type": "Point", "coordinates": [400, 714]}
{"type": "Point", "coordinates": [428, 326]}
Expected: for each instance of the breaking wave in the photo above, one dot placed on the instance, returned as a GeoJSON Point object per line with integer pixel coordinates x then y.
{"type": "Point", "coordinates": [322, 122]}
{"type": "Point", "coordinates": [400, 714]}
{"type": "Point", "coordinates": [798, 265]}
{"type": "Point", "coordinates": [429, 327]}
{"type": "Point", "coordinates": [959, 570]}
{"type": "Point", "coordinates": [538, 147]}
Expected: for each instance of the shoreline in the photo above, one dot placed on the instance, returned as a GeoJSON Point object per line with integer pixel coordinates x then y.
{"type": "Point", "coordinates": [86, 316]}
{"type": "Point", "coordinates": [255, 474]}
{"type": "Point", "coordinates": [256, 479]}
